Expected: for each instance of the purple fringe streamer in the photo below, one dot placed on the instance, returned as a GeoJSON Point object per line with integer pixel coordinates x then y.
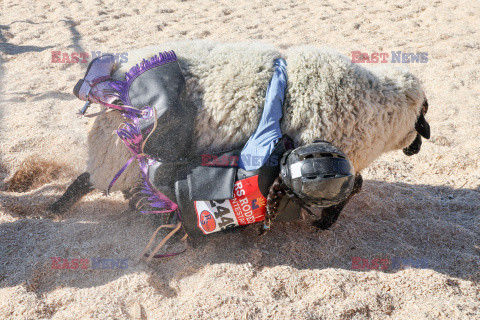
{"type": "Point", "coordinates": [131, 135]}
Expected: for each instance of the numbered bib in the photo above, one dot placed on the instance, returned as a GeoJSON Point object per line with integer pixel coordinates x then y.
{"type": "Point", "coordinates": [246, 207]}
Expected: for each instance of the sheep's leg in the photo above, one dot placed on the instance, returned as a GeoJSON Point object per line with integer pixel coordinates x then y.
{"type": "Point", "coordinates": [75, 191]}
{"type": "Point", "coordinates": [331, 214]}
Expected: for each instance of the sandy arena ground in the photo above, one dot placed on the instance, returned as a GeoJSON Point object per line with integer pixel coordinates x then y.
{"type": "Point", "coordinates": [425, 207]}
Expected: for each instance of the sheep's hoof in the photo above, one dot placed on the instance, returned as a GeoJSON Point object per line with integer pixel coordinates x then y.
{"type": "Point", "coordinates": [75, 191]}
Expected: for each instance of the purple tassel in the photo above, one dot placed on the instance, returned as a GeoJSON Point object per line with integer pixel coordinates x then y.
{"type": "Point", "coordinates": [119, 173]}
{"type": "Point", "coordinates": [131, 135]}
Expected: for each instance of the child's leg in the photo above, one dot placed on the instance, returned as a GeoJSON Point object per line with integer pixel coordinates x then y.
{"type": "Point", "coordinates": [261, 143]}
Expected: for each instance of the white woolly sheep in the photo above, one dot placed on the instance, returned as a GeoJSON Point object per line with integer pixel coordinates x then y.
{"type": "Point", "coordinates": [363, 111]}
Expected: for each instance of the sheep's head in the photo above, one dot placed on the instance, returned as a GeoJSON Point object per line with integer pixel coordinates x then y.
{"type": "Point", "coordinates": [422, 129]}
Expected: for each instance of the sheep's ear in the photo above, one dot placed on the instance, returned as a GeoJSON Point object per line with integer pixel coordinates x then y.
{"type": "Point", "coordinates": [422, 127]}
{"type": "Point", "coordinates": [425, 107]}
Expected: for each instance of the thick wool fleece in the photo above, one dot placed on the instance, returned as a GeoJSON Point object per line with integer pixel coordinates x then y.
{"type": "Point", "coordinates": [365, 112]}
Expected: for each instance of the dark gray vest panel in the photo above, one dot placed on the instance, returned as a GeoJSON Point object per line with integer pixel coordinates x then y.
{"type": "Point", "coordinates": [163, 88]}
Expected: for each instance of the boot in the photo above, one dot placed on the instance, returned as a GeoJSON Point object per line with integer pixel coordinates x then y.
{"type": "Point", "coordinates": [95, 86]}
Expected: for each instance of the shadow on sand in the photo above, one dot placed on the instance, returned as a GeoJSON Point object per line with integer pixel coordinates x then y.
{"type": "Point", "coordinates": [437, 224]}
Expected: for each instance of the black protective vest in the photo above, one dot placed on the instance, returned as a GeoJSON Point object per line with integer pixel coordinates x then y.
{"type": "Point", "coordinates": [217, 195]}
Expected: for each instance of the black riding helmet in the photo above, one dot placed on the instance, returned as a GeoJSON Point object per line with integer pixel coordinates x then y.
{"type": "Point", "coordinates": [318, 174]}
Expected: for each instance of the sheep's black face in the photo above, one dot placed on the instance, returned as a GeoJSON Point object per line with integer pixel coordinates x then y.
{"type": "Point", "coordinates": [423, 130]}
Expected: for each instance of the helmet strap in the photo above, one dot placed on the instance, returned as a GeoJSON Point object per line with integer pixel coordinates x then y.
{"type": "Point", "coordinates": [299, 201]}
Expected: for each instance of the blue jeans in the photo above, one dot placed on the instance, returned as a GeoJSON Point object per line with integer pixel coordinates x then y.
{"type": "Point", "coordinates": [261, 143]}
